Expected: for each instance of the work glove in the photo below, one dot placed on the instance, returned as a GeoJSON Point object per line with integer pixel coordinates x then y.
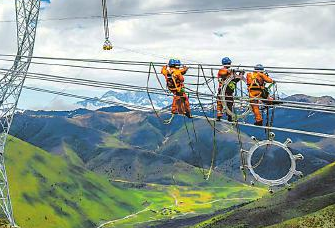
{"type": "Point", "coordinates": [232, 85]}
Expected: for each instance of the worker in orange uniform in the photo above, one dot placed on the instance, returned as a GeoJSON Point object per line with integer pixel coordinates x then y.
{"type": "Point", "coordinates": [256, 86]}
{"type": "Point", "coordinates": [173, 73]}
{"type": "Point", "coordinates": [223, 75]}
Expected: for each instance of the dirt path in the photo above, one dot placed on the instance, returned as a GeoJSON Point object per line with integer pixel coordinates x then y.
{"type": "Point", "coordinates": [127, 217]}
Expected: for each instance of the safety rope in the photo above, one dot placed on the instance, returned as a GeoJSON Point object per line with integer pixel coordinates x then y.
{"type": "Point", "coordinates": [194, 131]}
{"type": "Point", "coordinates": [269, 123]}
{"type": "Point", "coordinates": [197, 154]}
{"type": "Point", "coordinates": [242, 157]}
{"type": "Point", "coordinates": [181, 109]}
{"type": "Point", "coordinates": [239, 138]}
{"type": "Point", "coordinates": [200, 68]}
{"type": "Point", "coordinates": [214, 150]}
{"type": "Point", "coordinates": [149, 95]}
{"type": "Point", "coordinates": [202, 107]}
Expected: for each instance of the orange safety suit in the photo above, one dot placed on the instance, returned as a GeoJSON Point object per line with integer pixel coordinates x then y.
{"type": "Point", "coordinates": [223, 75]}
{"type": "Point", "coordinates": [256, 85]}
{"type": "Point", "coordinates": [175, 83]}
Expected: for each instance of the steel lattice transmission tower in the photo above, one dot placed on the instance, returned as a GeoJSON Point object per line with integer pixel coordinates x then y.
{"type": "Point", "coordinates": [27, 12]}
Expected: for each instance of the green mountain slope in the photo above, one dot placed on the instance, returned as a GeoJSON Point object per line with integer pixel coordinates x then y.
{"type": "Point", "coordinates": [320, 219]}
{"type": "Point", "coordinates": [47, 191]}
{"type": "Point", "coordinates": [310, 200]}
{"type": "Point", "coordinates": [126, 144]}
{"type": "Point", "coordinates": [53, 191]}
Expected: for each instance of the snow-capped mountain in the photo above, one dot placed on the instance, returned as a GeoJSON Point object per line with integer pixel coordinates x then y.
{"type": "Point", "coordinates": [127, 98]}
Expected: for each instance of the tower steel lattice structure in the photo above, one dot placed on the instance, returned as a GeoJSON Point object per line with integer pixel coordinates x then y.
{"type": "Point", "coordinates": [11, 84]}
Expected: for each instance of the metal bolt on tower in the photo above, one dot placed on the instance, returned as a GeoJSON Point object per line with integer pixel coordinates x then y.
{"type": "Point", "coordinates": [27, 12]}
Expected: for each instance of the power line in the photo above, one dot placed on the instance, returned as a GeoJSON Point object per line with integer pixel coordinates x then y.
{"type": "Point", "coordinates": [193, 94]}
{"type": "Point", "coordinates": [146, 63]}
{"type": "Point", "coordinates": [305, 106]}
{"type": "Point", "coordinates": [138, 107]}
{"type": "Point", "coordinates": [203, 96]}
{"type": "Point", "coordinates": [99, 84]}
{"type": "Point", "coordinates": [190, 75]}
{"type": "Point", "coordinates": [146, 109]}
{"type": "Point", "coordinates": [195, 11]}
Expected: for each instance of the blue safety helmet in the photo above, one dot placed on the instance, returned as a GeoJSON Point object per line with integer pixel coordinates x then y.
{"type": "Point", "coordinates": [172, 62]}
{"type": "Point", "coordinates": [259, 67]}
{"type": "Point", "coordinates": [226, 61]}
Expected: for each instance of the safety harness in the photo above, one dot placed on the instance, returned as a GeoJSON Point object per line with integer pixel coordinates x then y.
{"type": "Point", "coordinates": [173, 83]}
{"type": "Point", "coordinates": [256, 84]}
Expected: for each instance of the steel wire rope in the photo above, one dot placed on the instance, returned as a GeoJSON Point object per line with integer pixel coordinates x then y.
{"type": "Point", "coordinates": [269, 123]}
{"type": "Point", "coordinates": [53, 99]}
{"type": "Point", "coordinates": [214, 150]}
{"type": "Point", "coordinates": [194, 65]}
{"type": "Point", "coordinates": [296, 105]}
{"type": "Point", "coordinates": [202, 107]}
{"type": "Point", "coordinates": [105, 18]}
{"type": "Point", "coordinates": [199, 158]}
{"type": "Point", "coordinates": [195, 11]}
{"type": "Point", "coordinates": [138, 107]}
{"type": "Point", "coordinates": [149, 96]}
{"type": "Point", "coordinates": [291, 104]}
{"type": "Point", "coordinates": [137, 71]}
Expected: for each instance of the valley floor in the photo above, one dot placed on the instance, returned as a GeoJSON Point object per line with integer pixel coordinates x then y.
{"type": "Point", "coordinates": [49, 191]}
{"type": "Point", "coordinates": [174, 202]}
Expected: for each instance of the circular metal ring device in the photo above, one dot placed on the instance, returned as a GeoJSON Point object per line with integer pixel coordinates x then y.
{"type": "Point", "coordinates": [293, 158]}
{"type": "Point", "coordinates": [241, 100]}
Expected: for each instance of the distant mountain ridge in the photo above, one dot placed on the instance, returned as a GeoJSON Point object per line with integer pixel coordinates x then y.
{"type": "Point", "coordinates": [116, 137]}
{"type": "Point", "coordinates": [132, 98]}
{"type": "Point", "coordinates": [326, 100]}
{"type": "Point", "coordinates": [124, 97]}
{"type": "Point", "coordinates": [128, 98]}
{"type": "Point", "coordinates": [76, 112]}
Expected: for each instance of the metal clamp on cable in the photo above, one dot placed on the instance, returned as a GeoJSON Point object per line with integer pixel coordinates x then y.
{"type": "Point", "coordinates": [270, 142]}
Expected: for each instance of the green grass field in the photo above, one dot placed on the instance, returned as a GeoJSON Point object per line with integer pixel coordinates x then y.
{"type": "Point", "coordinates": [310, 203]}
{"type": "Point", "coordinates": [324, 218]}
{"type": "Point", "coordinates": [179, 201]}
{"type": "Point", "coordinates": [51, 191]}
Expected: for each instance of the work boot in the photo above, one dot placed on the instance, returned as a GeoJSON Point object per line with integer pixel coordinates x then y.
{"type": "Point", "coordinates": [218, 119]}
{"type": "Point", "coordinates": [258, 123]}
{"type": "Point", "coordinates": [188, 114]}
{"type": "Point", "coordinates": [230, 118]}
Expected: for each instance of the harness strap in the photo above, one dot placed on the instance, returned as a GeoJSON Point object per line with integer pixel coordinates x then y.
{"type": "Point", "coordinates": [255, 84]}
{"type": "Point", "coordinates": [178, 89]}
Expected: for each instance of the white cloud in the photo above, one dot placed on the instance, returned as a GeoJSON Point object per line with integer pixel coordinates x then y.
{"type": "Point", "coordinates": [284, 37]}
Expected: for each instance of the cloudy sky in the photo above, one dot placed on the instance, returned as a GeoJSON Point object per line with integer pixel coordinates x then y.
{"type": "Point", "coordinates": [301, 37]}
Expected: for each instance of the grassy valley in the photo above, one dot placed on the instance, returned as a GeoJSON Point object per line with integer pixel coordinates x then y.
{"type": "Point", "coordinates": [57, 191]}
